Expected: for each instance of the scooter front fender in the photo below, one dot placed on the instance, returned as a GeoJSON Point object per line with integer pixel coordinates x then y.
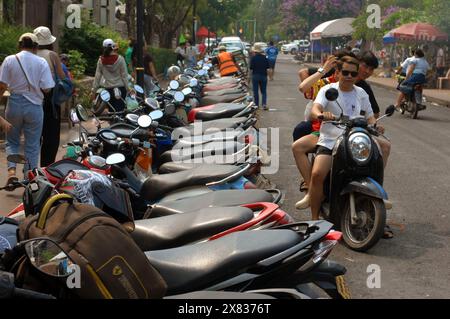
{"type": "Point", "coordinates": [366, 186]}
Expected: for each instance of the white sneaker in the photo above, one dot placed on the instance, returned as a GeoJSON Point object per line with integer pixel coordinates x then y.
{"type": "Point", "coordinates": [304, 203]}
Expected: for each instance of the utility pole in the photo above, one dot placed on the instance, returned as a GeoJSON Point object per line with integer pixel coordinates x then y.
{"type": "Point", "coordinates": [140, 42]}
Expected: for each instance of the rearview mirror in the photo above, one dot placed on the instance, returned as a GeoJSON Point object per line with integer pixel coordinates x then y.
{"type": "Point", "coordinates": [156, 115]}
{"type": "Point", "coordinates": [82, 113]}
{"type": "Point", "coordinates": [139, 89]}
{"type": "Point", "coordinates": [193, 83]}
{"type": "Point", "coordinates": [105, 96]}
{"type": "Point", "coordinates": [153, 103]}
{"type": "Point", "coordinates": [179, 97]}
{"type": "Point", "coordinates": [332, 94]}
{"type": "Point", "coordinates": [74, 117]}
{"type": "Point", "coordinates": [187, 91]}
{"type": "Point", "coordinates": [133, 118]}
{"type": "Point", "coordinates": [170, 109]}
{"type": "Point", "coordinates": [174, 85]}
{"type": "Point", "coordinates": [202, 72]}
{"type": "Point", "coordinates": [390, 110]}
{"type": "Point", "coordinates": [46, 256]}
{"type": "Point", "coordinates": [116, 158]}
{"type": "Point", "coordinates": [145, 121]}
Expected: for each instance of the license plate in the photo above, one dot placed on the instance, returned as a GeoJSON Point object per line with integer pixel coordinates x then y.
{"type": "Point", "coordinates": [342, 287]}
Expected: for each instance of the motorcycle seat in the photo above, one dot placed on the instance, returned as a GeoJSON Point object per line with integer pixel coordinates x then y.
{"type": "Point", "coordinates": [222, 198]}
{"type": "Point", "coordinates": [225, 91]}
{"type": "Point", "coordinates": [201, 266]}
{"type": "Point", "coordinates": [192, 152]}
{"type": "Point", "coordinates": [230, 135]}
{"type": "Point", "coordinates": [177, 230]}
{"type": "Point", "coordinates": [125, 130]}
{"type": "Point", "coordinates": [208, 127]}
{"type": "Point", "coordinates": [216, 111]}
{"type": "Point", "coordinates": [173, 167]}
{"type": "Point", "coordinates": [157, 186]}
{"type": "Point", "coordinates": [61, 168]}
{"type": "Point", "coordinates": [223, 80]}
{"type": "Point", "coordinates": [209, 100]}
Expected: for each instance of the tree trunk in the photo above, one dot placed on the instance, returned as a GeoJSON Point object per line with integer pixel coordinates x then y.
{"type": "Point", "coordinates": [165, 39]}
{"type": "Point", "coordinates": [131, 18]}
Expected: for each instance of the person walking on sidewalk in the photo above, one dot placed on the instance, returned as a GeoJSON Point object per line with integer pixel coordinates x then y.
{"type": "Point", "coordinates": [51, 132]}
{"type": "Point", "coordinates": [272, 54]}
{"type": "Point", "coordinates": [259, 65]}
{"type": "Point", "coordinates": [26, 76]}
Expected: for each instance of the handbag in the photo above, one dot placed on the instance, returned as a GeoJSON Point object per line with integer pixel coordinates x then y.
{"type": "Point", "coordinates": [63, 89]}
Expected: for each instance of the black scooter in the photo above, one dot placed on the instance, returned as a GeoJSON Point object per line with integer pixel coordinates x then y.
{"type": "Point", "coordinates": [354, 195]}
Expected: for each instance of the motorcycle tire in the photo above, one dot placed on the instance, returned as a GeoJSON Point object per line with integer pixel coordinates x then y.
{"type": "Point", "coordinates": [377, 230]}
{"type": "Point", "coordinates": [402, 108]}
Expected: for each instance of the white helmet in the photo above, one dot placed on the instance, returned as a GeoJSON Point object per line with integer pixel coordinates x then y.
{"type": "Point", "coordinates": [173, 72]}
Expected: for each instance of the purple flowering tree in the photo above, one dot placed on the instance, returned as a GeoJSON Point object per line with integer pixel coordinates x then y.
{"type": "Point", "coordinates": [301, 16]}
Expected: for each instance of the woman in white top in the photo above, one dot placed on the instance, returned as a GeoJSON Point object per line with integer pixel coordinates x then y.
{"type": "Point", "coordinates": [26, 76]}
{"type": "Point", "coordinates": [52, 113]}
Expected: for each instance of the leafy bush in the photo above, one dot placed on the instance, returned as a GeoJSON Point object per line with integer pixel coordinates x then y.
{"type": "Point", "coordinates": [88, 40]}
{"type": "Point", "coordinates": [163, 58]}
{"type": "Point", "coordinates": [78, 64]}
{"type": "Point", "coordinates": [9, 37]}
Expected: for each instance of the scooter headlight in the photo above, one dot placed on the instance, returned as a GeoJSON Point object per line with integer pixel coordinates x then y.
{"type": "Point", "coordinates": [360, 147]}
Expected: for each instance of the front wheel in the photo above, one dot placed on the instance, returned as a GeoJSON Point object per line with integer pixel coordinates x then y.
{"type": "Point", "coordinates": [369, 228]}
{"type": "Point", "coordinates": [414, 110]}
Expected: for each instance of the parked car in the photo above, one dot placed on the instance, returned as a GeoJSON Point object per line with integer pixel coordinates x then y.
{"type": "Point", "coordinates": [233, 42]}
{"type": "Point", "coordinates": [295, 46]}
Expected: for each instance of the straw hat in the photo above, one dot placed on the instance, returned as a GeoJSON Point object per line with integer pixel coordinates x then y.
{"type": "Point", "coordinates": [44, 36]}
{"type": "Point", "coordinates": [257, 48]}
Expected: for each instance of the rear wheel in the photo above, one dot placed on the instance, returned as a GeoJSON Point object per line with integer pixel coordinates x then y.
{"type": "Point", "coordinates": [369, 228]}
{"type": "Point", "coordinates": [293, 51]}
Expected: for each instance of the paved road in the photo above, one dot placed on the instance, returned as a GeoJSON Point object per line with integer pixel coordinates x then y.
{"type": "Point", "coordinates": [415, 264]}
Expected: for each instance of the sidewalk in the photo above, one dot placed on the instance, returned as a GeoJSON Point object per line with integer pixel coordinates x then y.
{"type": "Point", "coordinates": [441, 97]}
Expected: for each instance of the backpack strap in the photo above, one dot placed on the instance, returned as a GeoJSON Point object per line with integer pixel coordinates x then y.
{"type": "Point", "coordinates": [48, 205]}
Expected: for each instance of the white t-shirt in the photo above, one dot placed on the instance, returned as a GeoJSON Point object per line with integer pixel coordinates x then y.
{"type": "Point", "coordinates": [352, 103]}
{"type": "Point", "coordinates": [37, 71]}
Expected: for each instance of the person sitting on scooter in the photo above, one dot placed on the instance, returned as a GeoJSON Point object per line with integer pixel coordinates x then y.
{"type": "Point", "coordinates": [416, 74]}
{"type": "Point", "coordinates": [354, 102]}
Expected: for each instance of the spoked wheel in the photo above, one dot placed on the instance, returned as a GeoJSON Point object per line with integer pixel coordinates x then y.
{"type": "Point", "coordinates": [402, 108]}
{"type": "Point", "coordinates": [369, 228]}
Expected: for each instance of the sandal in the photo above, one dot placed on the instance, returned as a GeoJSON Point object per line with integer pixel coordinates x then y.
{"type": "Point", "coordinates": [303, 187]}
{"type": "Point", "coordinates": [388, 233]}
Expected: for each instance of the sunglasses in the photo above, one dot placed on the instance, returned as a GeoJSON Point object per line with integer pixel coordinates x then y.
{"type": "Point", "coordinates": [353, 73]}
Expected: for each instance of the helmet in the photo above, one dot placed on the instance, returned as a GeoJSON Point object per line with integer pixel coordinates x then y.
{"type": "Point", "coordinates": [173, 72]}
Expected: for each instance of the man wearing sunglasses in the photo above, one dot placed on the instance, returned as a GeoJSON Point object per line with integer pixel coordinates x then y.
{"type": "Point", "coordinates": [355, 103]}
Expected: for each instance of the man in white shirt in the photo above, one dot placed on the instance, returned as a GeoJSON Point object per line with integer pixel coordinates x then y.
{"type": "Point", "coordinates": [26, 76]}
{"type": "Point", "coordinates": [354, 102]}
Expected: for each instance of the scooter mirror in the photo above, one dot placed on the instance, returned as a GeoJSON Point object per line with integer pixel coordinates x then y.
{"type": "Point", "coordinates": [153, 103]}
{"type": "Point", "coordinates": [116, 158]}
{"type": "Point", "coordinates": [46, 256]}
{"type": "Point", "coordinates": [187, 91]}
{"type": "Point", "coordinates": [17, 158]}
{"type": "Point", "coordinates": [332, 94]}
{"type": "Point", "coordinates": [179, 97]}
{"type": "Point", "coordinates": [139, 89]}
{"type": "Point", "coordinates": [390, 110]}
{"type": "Point", "coordinates": [206, 68]}
{"type": "Point", "coordinates": [82, 113]}
{"type": "Point", "coordinates": [193, 83]}
{"type": "Point", "coordinates": [105, 96]}
{"type": "Point", "coordinates": [174, 85]}
{"type": "Point", "coordinates": [156, 115]}
{"type": "Point", "coordinates": [74, 117]}
{"type": "Point", "coordinates": [132, 118]}
{"type": "Point", "coordinates": [145, 121]}
{"type": "Point", "coordinates": [199, 64]}
{"type": "Point", "coordinates": [202, 72]}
